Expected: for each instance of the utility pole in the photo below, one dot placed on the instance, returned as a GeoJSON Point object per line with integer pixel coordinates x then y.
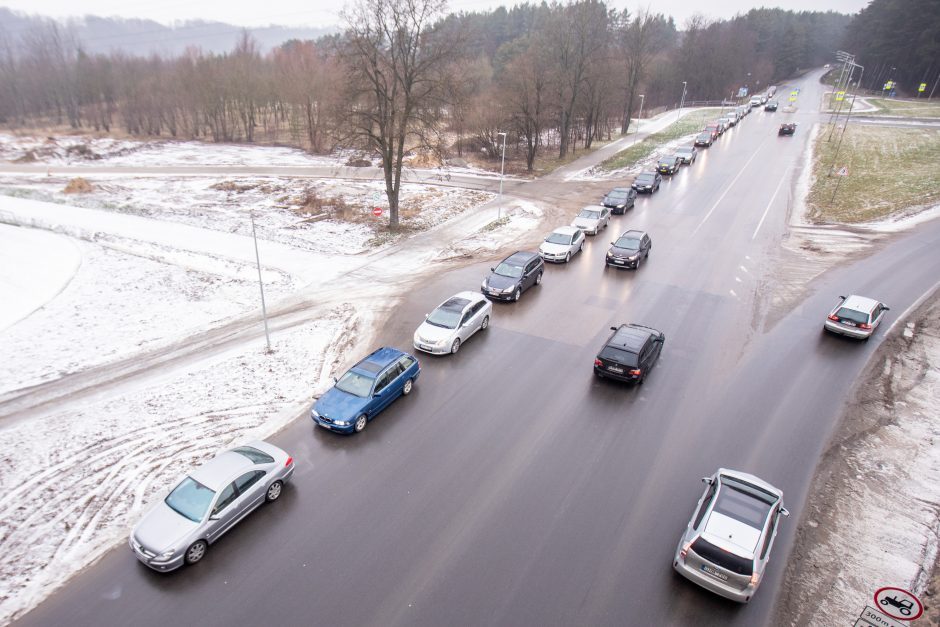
{"type": "Point", "coordinates": [682, 101]}
{"type": "Point", "coordinates": [934, 87]}
{"type": "Point", "coordinates": [264, 310]}
{"type": "Point", "coordinates": [502, 170]}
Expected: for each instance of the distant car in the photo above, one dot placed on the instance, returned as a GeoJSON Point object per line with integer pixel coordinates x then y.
{"type": "Point", "coordinates": [669, 165]}
{"type": "Point", "coordinates": [209, 501]}
{"type": "Point", "coordinates": [705, 138]}
{"type": "Point", "coordinates": [763, 99]}
{"type": "Point", "coordinates": [728, 123]}
{"type": "Point", "coordinates": [755, 101]}
{"type": "Point", "coordinates": [619, 199]}
{"type": "Point", "coordinates": [629, 249]}
{"type": "Point", "coordinates": [452, 323]}
{"type": "Point", "coordinates": [514, 275]}
{"type": "Point", "coordinates": [855, 316]}
{"type": "Point", "coordinates": [771, 106]}
{"type": "Point", "coordinates": [715, 129]}
{"type": "Point", "coordinates": [592, 219]}
{"type": "Point", "coordinates": [562, 244]}
{"type": "Point", "coordinates": [743, 110]}
{"type": "Point", "coordinates": [647, 182]}
{"type": "Point", "coordinates": [787, 129]}
{"type": "Point", "coordinates": [726, 546]}
{"type": "Point", "coordinates": [629, 353]}
{"type": "Point", "coordinates": [365, 390]}
{"type": "Point", "coordinates": [687, 154]}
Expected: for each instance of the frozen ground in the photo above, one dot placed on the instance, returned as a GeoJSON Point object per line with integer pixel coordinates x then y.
{"type": "Point", "coordinates": [873, 516]}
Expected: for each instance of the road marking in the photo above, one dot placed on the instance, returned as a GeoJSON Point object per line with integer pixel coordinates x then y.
{"type": "Point", "coordinates": [743, 269]}
{"type": "Point", "coordinates": [772, 198]}
{"type": "Point", "coordinates": [733, 294]}
{"type": "Point", "coordinates": [728, 189]}
{"type": "Point", "coordinates": [738, 279]}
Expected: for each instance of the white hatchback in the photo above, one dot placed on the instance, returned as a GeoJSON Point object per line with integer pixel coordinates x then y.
{"type": "Point", "coordinates": [453, 322]}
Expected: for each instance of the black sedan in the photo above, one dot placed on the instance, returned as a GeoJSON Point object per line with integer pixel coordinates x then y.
{"type": "Point", "coordinates": [514, 275]}
{"type": "Point", "coordinates": [629, 353]}
{"type": "Point", "coordinates": [705, 139]}
{"type": "Point", "coordinates": [647, 182]}
{"type": "Point", "coordinates": [669, 165]}
{"type": "Point", "coordinates": [787, 129]}
{"type": "Point", "coordinates": [770, 106]}
{"type": "Point", "coordinates": [629, 250]}
{"type": "Point", "coordinates": [619, 199]}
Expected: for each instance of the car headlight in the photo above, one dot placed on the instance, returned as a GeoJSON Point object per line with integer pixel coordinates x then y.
{"type": "Point", "coordinates": [483, 285]}
{"type": "Point", "coordinates": [509, 290]}
{"type": "Point", "coordinates": [314, 413]}
{"type": "Point", "coordinates": [634, 257]}
{"type": "Point", "coordinates": [166, 555]}
{"type": "Point", "coordinates": [442, 342]}
{"type": "Point", "coordinates": [341, 423]}
{"type": "Point", "coordinates": [621, 206]}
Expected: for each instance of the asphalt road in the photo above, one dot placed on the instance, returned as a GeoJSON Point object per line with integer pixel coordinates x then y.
{"type": "Point", "coordinates": [514, 488]}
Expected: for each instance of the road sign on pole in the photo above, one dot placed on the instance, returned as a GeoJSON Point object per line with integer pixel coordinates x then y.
{"type": "Point", "coordinates": [840, 96]}
{"type": "Point", "coordinates": [844, 171]}
{"type": "Point", "coordinates": [898, 603]}
{"type": "Point", "coordinates": [377, 212]}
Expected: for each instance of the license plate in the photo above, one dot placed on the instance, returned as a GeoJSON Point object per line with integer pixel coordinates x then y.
{"type": "Point", "coordinates": [615, 369]}
{"type": "Point", "coordinates": [714, 573]}
{"type": "Point", "coordinates": [848, 323]}
{"type": "Point", "coordinates": [620, 261]}
{"type": "Point", "coordinates": [426, 347]}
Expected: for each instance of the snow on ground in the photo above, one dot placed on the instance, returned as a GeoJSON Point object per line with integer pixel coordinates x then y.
{"type": "Point", "coordinates": [34, 267]}
{"type": "Point", "coordinates": [517, 219]}
{"type": "Point", "coordinates": [73, 482]}
{"type": "Point", "coordinates": [874, 503]}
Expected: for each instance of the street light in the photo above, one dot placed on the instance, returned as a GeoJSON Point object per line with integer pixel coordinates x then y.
{"type": "Point", "coordinates": [502, 171]}
{"type": "Point", "coordinates": [640, 115]}
{"type": "Point", "coordinates": [264, 310]}
{"type": "Point", "coordinates": [682, 101]}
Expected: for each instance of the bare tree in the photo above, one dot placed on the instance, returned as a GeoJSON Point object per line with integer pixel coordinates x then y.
{"type": "Point", "coordinates": [396, 64]}
{"type": "Point", "coordinates": [636, 40]}
{"type": "Point", "coordinates": [526, 84]}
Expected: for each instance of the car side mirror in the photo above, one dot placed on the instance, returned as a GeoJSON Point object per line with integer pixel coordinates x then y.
{"type": "Point", "coordinates": [886, 308]}
{"type": "Point", "coordinates": [492, 269]}
{"type": "Point", "coordinates": [707, 480]}
{"type": "Point", "coordinates": [842, 297]}
{"type": "Point", "coordinates": [335, 380]}
{"type": "Point", "coordinates": [785, 511]}
{"type": "Point", "coordinates": [613, 328]}
{"type": "Point", "coordinates": [426, 316]}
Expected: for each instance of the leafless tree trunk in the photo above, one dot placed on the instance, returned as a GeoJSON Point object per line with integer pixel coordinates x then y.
{"type": "Point", "coordinates": [637, 43]}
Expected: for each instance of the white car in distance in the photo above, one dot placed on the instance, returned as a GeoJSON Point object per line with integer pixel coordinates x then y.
{"type": "Point", "coordinates": [453, 322]}
{"type": "Point", "coordinates": [562, 244]}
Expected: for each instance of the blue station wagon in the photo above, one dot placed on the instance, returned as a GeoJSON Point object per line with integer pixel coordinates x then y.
{"type": "Point", "coordinates": [366, 389]}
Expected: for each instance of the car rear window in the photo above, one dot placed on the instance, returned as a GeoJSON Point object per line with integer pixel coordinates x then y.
{"type": "Point", "coordinates": [256, 456]}
{"type": "Point", "coordinates": [719, 557]}
{"type": "Point", "coordinates": [850, 314]}
{"type": "Point", "coordinates": [619, 355]}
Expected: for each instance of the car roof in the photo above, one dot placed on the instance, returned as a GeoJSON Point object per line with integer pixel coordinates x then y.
{"type": "Point", "coordinates": [593, 208]}
{"type": "Point", "coordinates": [379, 359]}
{"type": "Point", "coordinates": [519, 258]}
{"type": "Point", "coordinates": [470, 296]}
{"type": "Point", "coordinates": [216, 473]}
{"type": "Point", "coordinates": [859, 303]}
{"type": "Point", "coordinates": [567, 230]}
{"type": "Point", "coordinates": [634, 232]}
{"type": "Point", "coordinates": [629, 338]}
{"type": "Point", "coordinates": [454, 303]}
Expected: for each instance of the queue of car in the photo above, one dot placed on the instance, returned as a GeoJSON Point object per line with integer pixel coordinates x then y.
{"type": "Point", "coordinates": [727, 543]}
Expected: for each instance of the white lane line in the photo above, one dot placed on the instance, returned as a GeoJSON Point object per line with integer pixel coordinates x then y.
{"type": "Point", "coordinates": [728, 189]}
{"type": "Point", "coordinates": [733, 294]}
{"type": "Point", "coordinates": [743, 269]}
{"type": "Point", "coordinates": [738, 279]}
{"type": "Point", "coordinates": [779, 185]}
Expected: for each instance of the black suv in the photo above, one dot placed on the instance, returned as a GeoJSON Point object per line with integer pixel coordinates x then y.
{"type": "Point", "coordinates": [629, 353]}
{"type": "Point", "coordinates": [647, 182]}
{"type": "Point", "coordinates": [629, 249]}
{"type": "Point", "coordinates": [514, 275]}
{"type": "Point", "coordinates": [619, 199]}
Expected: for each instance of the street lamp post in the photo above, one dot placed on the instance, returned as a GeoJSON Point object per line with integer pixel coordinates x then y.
{"type": "Point", "coordinates": [502, 171]}
{"type": "Point", "coordinates": [264, 310]}
{"type": "Point", "coordinates": [681, 101]}
{"type": "Point", "coordinates": [640, 115]}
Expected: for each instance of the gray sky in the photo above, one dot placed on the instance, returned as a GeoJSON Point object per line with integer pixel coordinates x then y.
{"type": "Point", "coordinates": [322, 13]}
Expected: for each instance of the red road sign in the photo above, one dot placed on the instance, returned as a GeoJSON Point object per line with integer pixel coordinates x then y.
{"type": "Point", "coordinates": [898, 603]}
{"type": "Point", "coordinates": [377, 212]}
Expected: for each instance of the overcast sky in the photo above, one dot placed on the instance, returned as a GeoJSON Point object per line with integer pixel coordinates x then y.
{"type": "Point", "coordinates": [321, 13]}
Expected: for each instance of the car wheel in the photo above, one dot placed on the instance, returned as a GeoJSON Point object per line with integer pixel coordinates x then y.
{"type": "Point", "coordinates": [406, 389]}
{"type": "Point", "coordinates": [485, 324]}
{"type": "Point", "coordinates": [637, 266]}
{"type": "Point", "coordinates": [360, 423]}
{"type": "Point", "coordinates": [567, 257]}
{"type": "Point", "coordinates": [518, 294]}
{"type": "Point", "coordinates": [581, 246]}
{"type": "Point", "coordinates": [196, 551]}
{"type": "Point", "coordinates": [538, 278]}
{"type": "Point", "coordinates": [274, 492]}
{"type": "Point", "coordinates": [641, 379]}
{"type": "Point", "coordinates": [455, 346]}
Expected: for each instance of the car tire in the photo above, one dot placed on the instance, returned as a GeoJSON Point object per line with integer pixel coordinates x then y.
{"type": "Point", "coordinates": [538, 278]}
{"type": "Point", "coordinates": [361, 421]}
{"type": "Point", "coordinates": [637, 266]}
{"type": "Point", "coordinates": [410, 383]}
{"type": "Point", "coordinates": [453, 349]}
{"type": "Point", "coordinates": [273, 492]}
{"type": "Point", "coordinates": [581, 246]}
{"type": "Point", "coordinates": [567, 257]}
{"type": "Point", "coordinates": [641, 379]}
{"type": "Point", "coordinates": [517, 295]}
{"type": "Point", "coordinates": [485, 324]}
{"type": "Point", "coordinates": [196, 551]}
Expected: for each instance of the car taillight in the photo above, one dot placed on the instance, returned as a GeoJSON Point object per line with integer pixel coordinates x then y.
{"type": "Point", "coordinates": [864, 325]}
{"type": "Point", "coordinates": [834, 317]}
{"type": "Point", "coordinates": [684, 550]}
{"type": "Point", "coordinates": [755, 579]}
{"type": "Point", "coordinates": [598, 362]}
{"type": "Point", "coordinates": [290, 460]}
{"type": "Point", "coordinates": [635, 372]}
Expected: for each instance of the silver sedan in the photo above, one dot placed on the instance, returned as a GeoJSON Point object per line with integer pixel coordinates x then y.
{"type": "Point", "coordinates": [453, 322]}
{"type": "Point", "coordinates": [592, 219]}
{"type": "Point", "coordinates": [208, 502]}
{"type": "Point", "coordinates": [562, 244]}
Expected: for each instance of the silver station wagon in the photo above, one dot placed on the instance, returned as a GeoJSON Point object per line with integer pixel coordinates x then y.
{"type": "Point", "coordinates": [855, 316]}
{"type": "Point", "coordinates": [727, 544]}
{"type": "Point", "coordinates": [208, 502]}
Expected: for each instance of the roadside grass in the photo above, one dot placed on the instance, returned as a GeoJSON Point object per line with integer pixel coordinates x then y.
{"type": "Point", "coordinates": [906, 108]}
{"type": "Point", "coordinates": [691, 123]}
{"type": "Point", "coordinates": [890, 170]}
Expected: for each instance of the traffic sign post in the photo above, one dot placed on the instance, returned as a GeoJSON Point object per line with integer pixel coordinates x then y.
{"type": "Point", "coordinates": [898, 603]}
{"type": "Point", "coordinates": [921, 89]}
{"type": "Point", "coordinates": [377, 212]}
{"type": "Point", "coordinates": [840, 96]}
{"type": "Point", "coordinates": [870, 617]}
{"type": "Point", "coordinates": [844, 171]}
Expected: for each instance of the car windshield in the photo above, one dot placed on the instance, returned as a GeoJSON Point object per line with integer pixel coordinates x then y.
{"type": "Point", "coordinates": [630, 243]}
{"type": "Point", "coordinates": [618, 355]}
{"type": "Point", "coordinates": [645, 178]}
{"type": "Point", "coordinates": [511, 271]}
{"type": "Point", "coordinates": [558, 238]}
{"type": "Point", "coordinates": [444, 318]}
{"type": "Point", "coordinates": [190, 499]}
{"type": "Point", "coordinates": [857, 317]}
{"type": "Point", "coordinates": [617, 194]}
{"type": "Point", "coordinates": [355, 384]}
{"type": "Point", "coordinates": [589, 214]}
{"type": "Point", "coordinates": [741, 505]}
